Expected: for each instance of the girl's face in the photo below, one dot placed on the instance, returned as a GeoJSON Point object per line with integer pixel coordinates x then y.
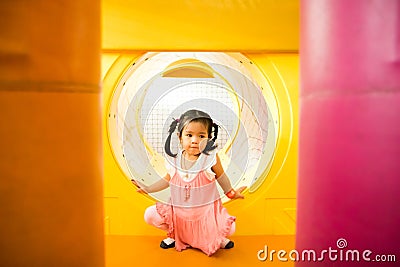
{"type": "Point", "coordinates": [194, 138]}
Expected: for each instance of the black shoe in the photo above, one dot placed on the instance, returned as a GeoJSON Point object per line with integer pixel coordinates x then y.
{"type": "Point", "coordinates": [229, 245]}
{"type": "Point", "coordinates": [165, 246]}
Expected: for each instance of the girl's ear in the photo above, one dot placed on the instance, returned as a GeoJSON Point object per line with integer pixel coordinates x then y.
{"type": "Point", "coordinates": [179, 137]}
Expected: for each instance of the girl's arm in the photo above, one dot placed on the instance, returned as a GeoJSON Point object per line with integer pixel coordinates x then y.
{"type": "Point", "coordinates": [224, 181]}
{"type": "Point", "coordinates": [155, 187]}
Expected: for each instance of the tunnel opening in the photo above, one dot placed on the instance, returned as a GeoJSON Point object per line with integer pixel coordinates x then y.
{"type": "Point", "coordinates": [159, 86]}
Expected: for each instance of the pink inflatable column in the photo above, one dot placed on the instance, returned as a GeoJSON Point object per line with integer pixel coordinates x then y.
{"type": "Point", "coordinates": [349, 174]}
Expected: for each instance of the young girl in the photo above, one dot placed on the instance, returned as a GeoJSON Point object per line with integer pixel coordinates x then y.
{"type": "Point", "coordinates": [194, 216]}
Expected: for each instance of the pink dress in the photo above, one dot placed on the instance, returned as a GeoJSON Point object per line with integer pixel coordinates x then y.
{"type": "Point", "coordinates": [195, 215]}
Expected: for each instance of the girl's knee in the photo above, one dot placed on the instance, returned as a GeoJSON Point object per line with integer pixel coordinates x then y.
{"type": "Point", "coordinates": [150, 215]}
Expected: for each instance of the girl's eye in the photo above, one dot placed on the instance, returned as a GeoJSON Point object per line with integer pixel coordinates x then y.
{"type": "Point", "coordinates": [202, 136]}
{"type": "Point", "coordinates": [189, 135]}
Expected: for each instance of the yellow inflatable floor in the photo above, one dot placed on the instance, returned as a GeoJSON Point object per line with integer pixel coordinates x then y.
{"type": "Point", "coordinates": [122, 251]}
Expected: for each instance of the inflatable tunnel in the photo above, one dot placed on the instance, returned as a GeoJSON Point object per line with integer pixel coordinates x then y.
{"type": "Point", "coordinates": [245, 75]}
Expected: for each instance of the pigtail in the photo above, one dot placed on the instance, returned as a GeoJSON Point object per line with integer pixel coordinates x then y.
{"type": "Point", "coordinates": [211, 143]}
{"type": "Point", "coordinates": [167, 145]}
{"type": "Point", "coordinates": [215, 126]}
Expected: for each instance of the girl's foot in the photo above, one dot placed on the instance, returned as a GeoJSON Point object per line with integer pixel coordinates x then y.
{"type": "Point", "coordinates": [227, 244]}
{"type": "Point", "coordinates": [167, 243]}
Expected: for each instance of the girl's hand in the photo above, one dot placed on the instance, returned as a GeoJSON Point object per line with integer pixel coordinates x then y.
{"type": "Point", "coordinates": [141, 188]}
{"type": "Point", "coordinates": [238, 192]}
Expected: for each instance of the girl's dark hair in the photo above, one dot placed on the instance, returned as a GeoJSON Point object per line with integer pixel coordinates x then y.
{"type": "Point", "coordinates": [193, 115]}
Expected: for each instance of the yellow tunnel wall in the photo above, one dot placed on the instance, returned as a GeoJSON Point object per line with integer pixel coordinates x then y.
{"type": "Point", "coordinates": [269, 210]}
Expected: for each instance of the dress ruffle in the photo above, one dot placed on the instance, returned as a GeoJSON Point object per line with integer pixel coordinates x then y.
{"type": "Point", "coordinates": [198, 228]}
{"type": "Point", "coordinates": [165, 210]}
{"type": "Point", "coordinates": [224, 233]}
